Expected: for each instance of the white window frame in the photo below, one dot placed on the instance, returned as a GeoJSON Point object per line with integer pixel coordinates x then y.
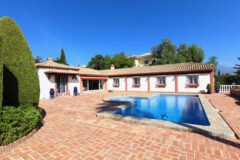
{"type": "Point", "coordinates": [116, 81]}
{"type": "Point", "coordinates": [136, 81]}
{"type": "Point", "coordinates": [159, 81]}
{"type": "Point", "coordinates": [193, 79]}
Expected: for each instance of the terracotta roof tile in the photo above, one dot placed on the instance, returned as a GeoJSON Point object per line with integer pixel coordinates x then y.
{"type": "Point", "coordinates": [51, 64]}
{"type": "Point", "coordinates": [62, 71]}
{"type": "Point", "coordinates": [144, 55]}
{"type": "Point", "coordinates": [168, 68]}
{"type": "Point", "coordinates": [89, 71]}
{"type": "Point", "coordinates": [158, 69]}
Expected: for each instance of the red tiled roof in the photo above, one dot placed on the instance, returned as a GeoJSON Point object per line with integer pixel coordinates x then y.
{"type": "Point", "coordinates": [158, 69]}
{"type": "Point", "coordinates": [51, 64]}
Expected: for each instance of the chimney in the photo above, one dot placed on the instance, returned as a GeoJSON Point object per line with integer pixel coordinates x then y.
{"type": "Point", "coordinates": [49, 59]}
{"type": "Point", "coordinates": [112, 66]}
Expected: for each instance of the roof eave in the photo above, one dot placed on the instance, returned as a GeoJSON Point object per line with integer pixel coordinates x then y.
{"type": "Point", "coordinates": [156, 73]}
{"type": "Point", "coordinates": [96, 75]}
{"type": "Point", "coordinates": [57, 67]}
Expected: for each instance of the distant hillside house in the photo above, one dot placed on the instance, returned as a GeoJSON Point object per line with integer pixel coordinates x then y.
{"type": "Point", "coordinates": [143, 59]}
{"type": "Point", "coordinates": [181, 77]}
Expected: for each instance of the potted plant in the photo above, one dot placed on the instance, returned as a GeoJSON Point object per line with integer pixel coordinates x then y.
{"type": "Point", "coordinates": [116, 85]}
{"type": "Point", "coordinates": [136, 85]}
{"type": "Point", "coordinates": [217, 87]}
{"type": "Point", "coordinates": [51, 93]}
{"type": "Point", "coordinates": [209, 88]}
{"type": "Point", "coordinates": [160, 85]}
{"type": "Point", "coordinates": [193, 85]}
{"type": "Point", "coordinates": [75, 90]}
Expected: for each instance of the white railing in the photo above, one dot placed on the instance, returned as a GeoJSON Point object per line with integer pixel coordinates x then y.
{"type": "Point", "coordinates": [226, 88]}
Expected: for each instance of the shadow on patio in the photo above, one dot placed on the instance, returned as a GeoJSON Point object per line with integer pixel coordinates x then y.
{"type": "Point", "coordinates": [110, 106]}
{"type": "Point", "coordinates": [236, 98]}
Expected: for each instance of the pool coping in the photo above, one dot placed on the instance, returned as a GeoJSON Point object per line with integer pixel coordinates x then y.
{"type": "Point", "coordinates": [218, 126]}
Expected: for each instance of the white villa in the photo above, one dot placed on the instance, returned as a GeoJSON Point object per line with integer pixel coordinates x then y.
{"type": "Point", "coordinates": [181, 77]}
{"type": "Point", "coordinates": [143, 59]}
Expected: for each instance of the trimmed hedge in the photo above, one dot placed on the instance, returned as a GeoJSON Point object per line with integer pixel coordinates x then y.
{"type": "Point", "coordinates": [20, 78]}
{"type": "Point", "coordinates": [1, 74]}
{"type": "Point", "coordinates": [16, 122]}
{"type": "Point", "coordinates": [228, 79]}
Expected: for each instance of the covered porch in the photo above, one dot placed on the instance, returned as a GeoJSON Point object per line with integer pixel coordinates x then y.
{"type": "Point", "coordinates": [64, 81]}
{"type": "Point", "coordinates": [88, 84]}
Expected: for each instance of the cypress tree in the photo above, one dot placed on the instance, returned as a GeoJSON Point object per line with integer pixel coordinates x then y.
{"type": "Point", "coordinates": [20, 78]}
{"type": "Point", "coordinates": [62, 57]}
{"type": "Point", "coordinates": [1, 74]}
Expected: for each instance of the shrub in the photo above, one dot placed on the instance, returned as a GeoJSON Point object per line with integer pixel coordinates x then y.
{"type": "Point", "coordinates": [228, 79]}
{"type": "Point", "coordinates": [16, 122]}
{"type": "Point", "coordinates": [209, 87]}
{"type": "Point", "coordinates": [217, 85]}
{"type": "Point", "coordinates": [1, 74]}
{"type": "Point", "coordinates": [20, 78]}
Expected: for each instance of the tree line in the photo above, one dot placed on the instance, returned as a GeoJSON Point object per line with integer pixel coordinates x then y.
{"type": "Point", "coordinates": [164, 53]}
{"type": "Point", "coordinates": [120, 60]}
{"type": "Point", "coordinates": [168, 53]}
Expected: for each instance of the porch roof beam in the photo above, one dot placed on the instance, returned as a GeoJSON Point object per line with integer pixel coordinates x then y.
{"type": "Point", "coordinates": [95, 78]}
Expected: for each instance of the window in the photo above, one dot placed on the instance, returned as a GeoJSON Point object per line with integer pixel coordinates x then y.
{"type": "Point", "coordinates": [136, 81]}
{"type": "Point", "coordinates": [61, 84]}
{"type": "Point", "coordinates": [192, 79]}
{"type": "Point", "coordinates": [161, 80]}
{"type": "Point", "coordinates": [146, 61]}
{"type": "Point", "coordinates": [116, 81]}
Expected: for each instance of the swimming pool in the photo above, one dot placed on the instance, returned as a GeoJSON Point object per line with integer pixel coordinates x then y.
{"type": "Point", "coordinates": [174, 108]}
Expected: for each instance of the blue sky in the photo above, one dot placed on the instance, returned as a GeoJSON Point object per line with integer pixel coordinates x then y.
{"type": "Point", "coordinates": [90, 27]}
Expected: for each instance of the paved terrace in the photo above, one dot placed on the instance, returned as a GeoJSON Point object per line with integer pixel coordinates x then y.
{"type": "Point", "coordinates": [72, 131]}
{"type": "Point", "coordinates": [229, 108]}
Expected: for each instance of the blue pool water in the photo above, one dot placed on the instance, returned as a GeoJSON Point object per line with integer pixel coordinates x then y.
{"type": "Point", "coordinates": [174, 108]}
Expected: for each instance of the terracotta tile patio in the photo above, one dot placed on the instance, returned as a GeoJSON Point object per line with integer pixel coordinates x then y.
{"type": "Point", "coordinates": [72, 131]}
{"type": "Point", "coordinates": [229, 109]}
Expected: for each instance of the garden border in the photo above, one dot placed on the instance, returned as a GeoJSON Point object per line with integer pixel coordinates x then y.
{"type": "Point", "coordinates": [20, 140]}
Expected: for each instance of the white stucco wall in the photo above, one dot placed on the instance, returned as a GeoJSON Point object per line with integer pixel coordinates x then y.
{"type": "Point", "coordinates": [170, 84]}
{"type": "Point", "coordinates": [73, 83]}
{"type": "Point", "coordinates": [143, 83]}
{"type": "Point", "coordinates": [121, 84]}
{"type": "Point", "coordinates": [203, 80]}
{"type": "Point", "coordinates": [45, 83]}
{"type": "Point", "coordinates": [136, 63]}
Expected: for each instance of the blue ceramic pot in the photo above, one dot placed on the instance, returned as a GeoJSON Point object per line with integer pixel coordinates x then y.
{"type": "Point", "coordinates": [51, 93]}
{"type": "Point", "coordinates": [75, 91]}
{"type": "Point", "coordinates": [217, 90]}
